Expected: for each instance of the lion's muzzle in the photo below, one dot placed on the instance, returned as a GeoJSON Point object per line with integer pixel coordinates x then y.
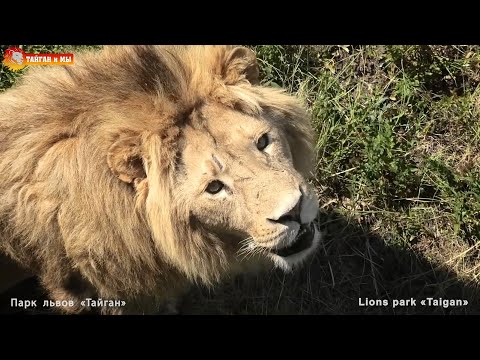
{"type": "Point", "coordinates": [291, 232]}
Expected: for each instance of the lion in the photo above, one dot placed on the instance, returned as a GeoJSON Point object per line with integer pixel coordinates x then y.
{"type": "Point", "coordinates": [17, 57]}
{"type": "Point", "coordinates": [143, 170]}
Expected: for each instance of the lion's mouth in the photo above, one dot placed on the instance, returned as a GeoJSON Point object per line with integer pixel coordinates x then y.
{"type": "Point", "coordinates": [303, 241]}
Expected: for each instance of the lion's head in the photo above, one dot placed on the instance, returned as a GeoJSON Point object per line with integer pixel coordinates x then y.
{"type": "Point", "coordinates": [224, 176]}
{"type": "Point", "coordinates": [143, 166]}
{"type": "Point", "coordinates": [17, 57]}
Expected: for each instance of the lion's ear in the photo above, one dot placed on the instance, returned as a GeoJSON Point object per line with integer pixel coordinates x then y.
{"type": "Point", "coordinates": [241, 64]}
{"type": "Point", "coordinates": [125, 159]}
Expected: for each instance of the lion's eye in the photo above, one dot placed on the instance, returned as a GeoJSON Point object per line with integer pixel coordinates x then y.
{"type": "Point", "coordinates": [263, 142]}
{"type": "Point", "coordinates": [214, 187]}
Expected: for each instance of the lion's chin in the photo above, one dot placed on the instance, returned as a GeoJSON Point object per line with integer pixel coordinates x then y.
{"type": "Point", "coordinates": [299, 250]}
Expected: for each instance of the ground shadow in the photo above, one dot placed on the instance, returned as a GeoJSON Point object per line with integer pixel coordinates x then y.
{"type": "Point", "coordinates": [351, 264]}
{"type": "Point", "coordinates": [351, 267]}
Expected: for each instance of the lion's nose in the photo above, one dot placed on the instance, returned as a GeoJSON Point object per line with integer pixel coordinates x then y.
{"type": "Point", "coordinates": [289, 210]}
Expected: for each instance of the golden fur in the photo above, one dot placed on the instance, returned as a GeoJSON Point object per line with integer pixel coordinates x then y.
{"type": "Point", "coordinates": [94, 196]}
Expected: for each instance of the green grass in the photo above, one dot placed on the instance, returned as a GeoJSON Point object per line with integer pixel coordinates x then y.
{"type": "Point", "coordinates": [398, 175]}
